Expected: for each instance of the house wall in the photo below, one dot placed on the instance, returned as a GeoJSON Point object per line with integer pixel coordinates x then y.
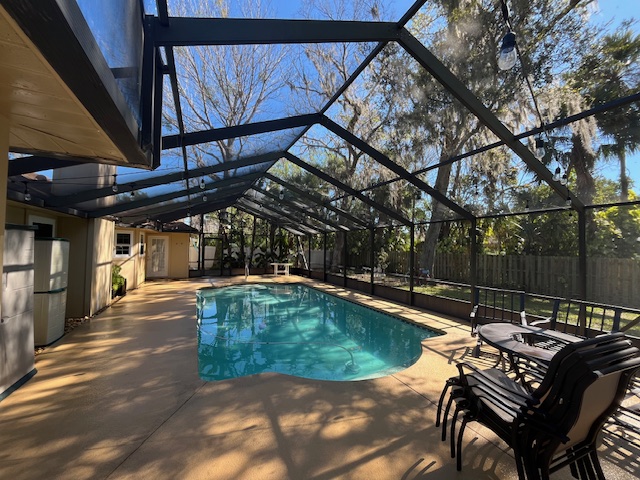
{"type": "Point", "coordinates": [178, 256]}
{"type": "Point", "coordinates": [133, 266]}
{"type": "Point", "coordinates": [100, 246]}
{"type": "Point", "coordinates": [76, 231]}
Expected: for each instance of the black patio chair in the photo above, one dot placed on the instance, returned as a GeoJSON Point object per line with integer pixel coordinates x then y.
{"type": "Point", "coordinates": [557, 424]}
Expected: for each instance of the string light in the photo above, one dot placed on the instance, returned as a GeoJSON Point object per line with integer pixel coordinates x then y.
{"type": "Point", "coordinates": [27, 195]}
{"type": "Point", "coordinates": [540, 150]}
{"type": "Point", "coordinates": [203, 185]}
{"type": "Point", "coordinates": [508, 52]}
{"type": "Point", "coordinates": [114, 185]}
{"type": "Point", "coordinates": [563, 179]}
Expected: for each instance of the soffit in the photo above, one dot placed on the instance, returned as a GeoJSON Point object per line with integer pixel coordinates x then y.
{"type": "Point", "coordinates": [43, 114]}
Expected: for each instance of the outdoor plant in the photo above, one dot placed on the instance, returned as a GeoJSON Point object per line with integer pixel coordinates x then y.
{"type": "Point", "coordinates": [118, 282]}
{"type": "Point", "coordinates": [383, 260]}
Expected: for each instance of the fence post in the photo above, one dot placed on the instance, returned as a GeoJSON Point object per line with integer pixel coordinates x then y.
{"type": "Point", "coordinates": [473, 270]}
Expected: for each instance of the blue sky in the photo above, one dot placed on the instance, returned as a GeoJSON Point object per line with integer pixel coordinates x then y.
{"type": "Point", "coordinates": [607, 11]}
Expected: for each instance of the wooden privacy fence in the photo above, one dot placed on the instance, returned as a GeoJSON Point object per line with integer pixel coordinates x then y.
{"type": "Point", "coordinates": [614, 281]}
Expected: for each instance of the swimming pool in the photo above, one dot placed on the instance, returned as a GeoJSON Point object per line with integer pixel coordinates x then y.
{"type": "Point", "coordinates": [298, 330]}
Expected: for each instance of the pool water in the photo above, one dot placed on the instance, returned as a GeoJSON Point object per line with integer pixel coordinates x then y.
{"type": "Point", "coordinates": [297, 330]}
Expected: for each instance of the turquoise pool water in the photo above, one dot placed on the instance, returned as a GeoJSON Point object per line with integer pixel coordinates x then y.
{"type": "Point", "coordinates": [297, 330]}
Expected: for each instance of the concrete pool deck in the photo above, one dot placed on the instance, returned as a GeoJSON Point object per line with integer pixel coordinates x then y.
{"type": "Point", "coordinates": [120, 398]}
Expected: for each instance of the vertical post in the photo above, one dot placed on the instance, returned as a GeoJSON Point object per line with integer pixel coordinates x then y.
{"type": "Point", "coordinates": [324, 256]}
{"type": "Point", "coordinates": [309, 256]}
{"type": "Point", "coordinates": [582, 270]}
{"type": "Point", "coordinates": [473, 260]}
{"type": "Point", "coordinates": [412, 229]}
{"type": "Point", "coordinates": [201, 247]}
{"type": "Point", "coordinates": [4, 172]}
{"type": "Point", "coordinates": [344, 259]}
{"type": "Point", "coordinates": [372, 244]}
{"type": "Point", "coordinates": [222, 253]}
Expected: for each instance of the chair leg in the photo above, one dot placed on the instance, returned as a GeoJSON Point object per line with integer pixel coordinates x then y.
{"type": "Point", "coordinates": [459, 407]}
{"type": "Point", "coordinates": [519, 462]}
{"type": "Point", "coordinates": [465, 419]}
{"type": "Point", "coordinates": [476, 349]}
{"type": "Point", "coordinates": [448, 384]}
{"type": "Point", "coordinates": [446, 414]}
{"type": "Point", "coordinates": [574, 470]}
{"type": "Point", "coordinates": [582, 469]}
{"type": "Point", "coordinates": [595, 462]}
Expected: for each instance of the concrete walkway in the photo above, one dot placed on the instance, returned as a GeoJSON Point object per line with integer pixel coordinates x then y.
{"type": "Point", "coordinates": [120, 398]}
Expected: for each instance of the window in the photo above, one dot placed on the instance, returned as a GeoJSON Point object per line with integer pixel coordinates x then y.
{"type": "Point", "coordinates": [123, 244]}
{"type": "Point", "coordinates": [46, 226]}
{"type": "Point", "coordinates": [141, 244]}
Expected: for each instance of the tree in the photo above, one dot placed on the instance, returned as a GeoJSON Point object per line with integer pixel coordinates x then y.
{"type": "Point", "coordinates": [611, 70]}
{"type": "Point", "coordinates": [547, 33]}
{"type": "Point", "coordinates": [222, 86]}
{"type": "Point", "coordinates": [323, 70]}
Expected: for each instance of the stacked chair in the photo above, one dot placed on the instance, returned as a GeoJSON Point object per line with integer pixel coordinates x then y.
{"type": "Point", "coordinates": [557, 423]}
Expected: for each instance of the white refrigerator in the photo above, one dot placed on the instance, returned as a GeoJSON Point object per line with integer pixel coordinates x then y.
{"type": "Point", "coordinates": [51, 273]}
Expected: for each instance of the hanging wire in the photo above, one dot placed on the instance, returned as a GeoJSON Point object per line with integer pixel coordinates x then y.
{"type": "Point", "coordinates": [562, 178]}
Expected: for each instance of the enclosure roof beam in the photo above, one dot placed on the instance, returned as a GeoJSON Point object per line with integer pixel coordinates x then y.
{"type": "Point", "coordinates": [237, 131]}
{"type": "Point", "coordinates": [276, 216]}
{"type": "Point", "coordinates": [454, 86]}
{"type": "Point", "coordinates": [231, 195]}
{"type": "Point", "coordinates": [190, 31]}
{"type": "Point", "coordinates": [251, 211]}
{"type": "Point", "coordinates": [38, 163]}
{"type": "Point", "coordinates": [393, 166]}
{"type": "Point", "coordinates": [293, 206]}
{"type": "Point", "coordinates": [194, 210]}
{"type": "Point", "coordinates": [316, 199]}
{"type": "Point", "coordinates": [149, 201]}
{"type": "Point", "coordinates": [163, 179]}
{"type": "Point", "coordinates": [346, 188]}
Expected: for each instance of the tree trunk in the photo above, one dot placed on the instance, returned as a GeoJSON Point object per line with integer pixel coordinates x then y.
{"type": "Point", "coordinates": [428, 253]}
{"type": "Point", "coordinates": [624, 180]}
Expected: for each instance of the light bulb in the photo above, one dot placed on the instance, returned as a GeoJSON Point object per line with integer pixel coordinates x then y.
{"type": "Point", "coordinates": [27, 195]}
{"type": "Point", "coordinates": [556, 175]}
{"type": "Point", "coordinates": [132, 194]}
{"type": "Point", "coordinates": [540, 151]}
{"type": "Point", "coordinates": [568, 201]}
{"type": "Point", "coordinates": [563, 180]}
{"type": "Point", "coordinates": [508, 53]}
{"type": "Point", "coordinates": [204, 198]}
{"type": "Point", "coordinates": [281, 194]}
{"type": "Point", "coordinates": [114, 187]}
{"type": "Point", "coordinates": [202, 184]}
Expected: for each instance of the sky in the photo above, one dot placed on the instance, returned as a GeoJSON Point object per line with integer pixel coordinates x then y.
{"type": "Point", "coordinates": [606, 11]}
{"type": "Point", "coordinates": [614, 11]}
